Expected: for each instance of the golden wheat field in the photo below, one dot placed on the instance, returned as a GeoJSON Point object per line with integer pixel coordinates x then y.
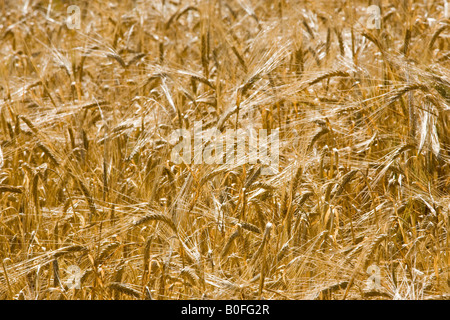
{"type": "Point", "coordinates": [92, 205]}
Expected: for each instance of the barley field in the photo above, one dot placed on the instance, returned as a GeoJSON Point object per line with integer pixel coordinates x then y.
{"type": "Point", "coordinates": [92, 205]}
